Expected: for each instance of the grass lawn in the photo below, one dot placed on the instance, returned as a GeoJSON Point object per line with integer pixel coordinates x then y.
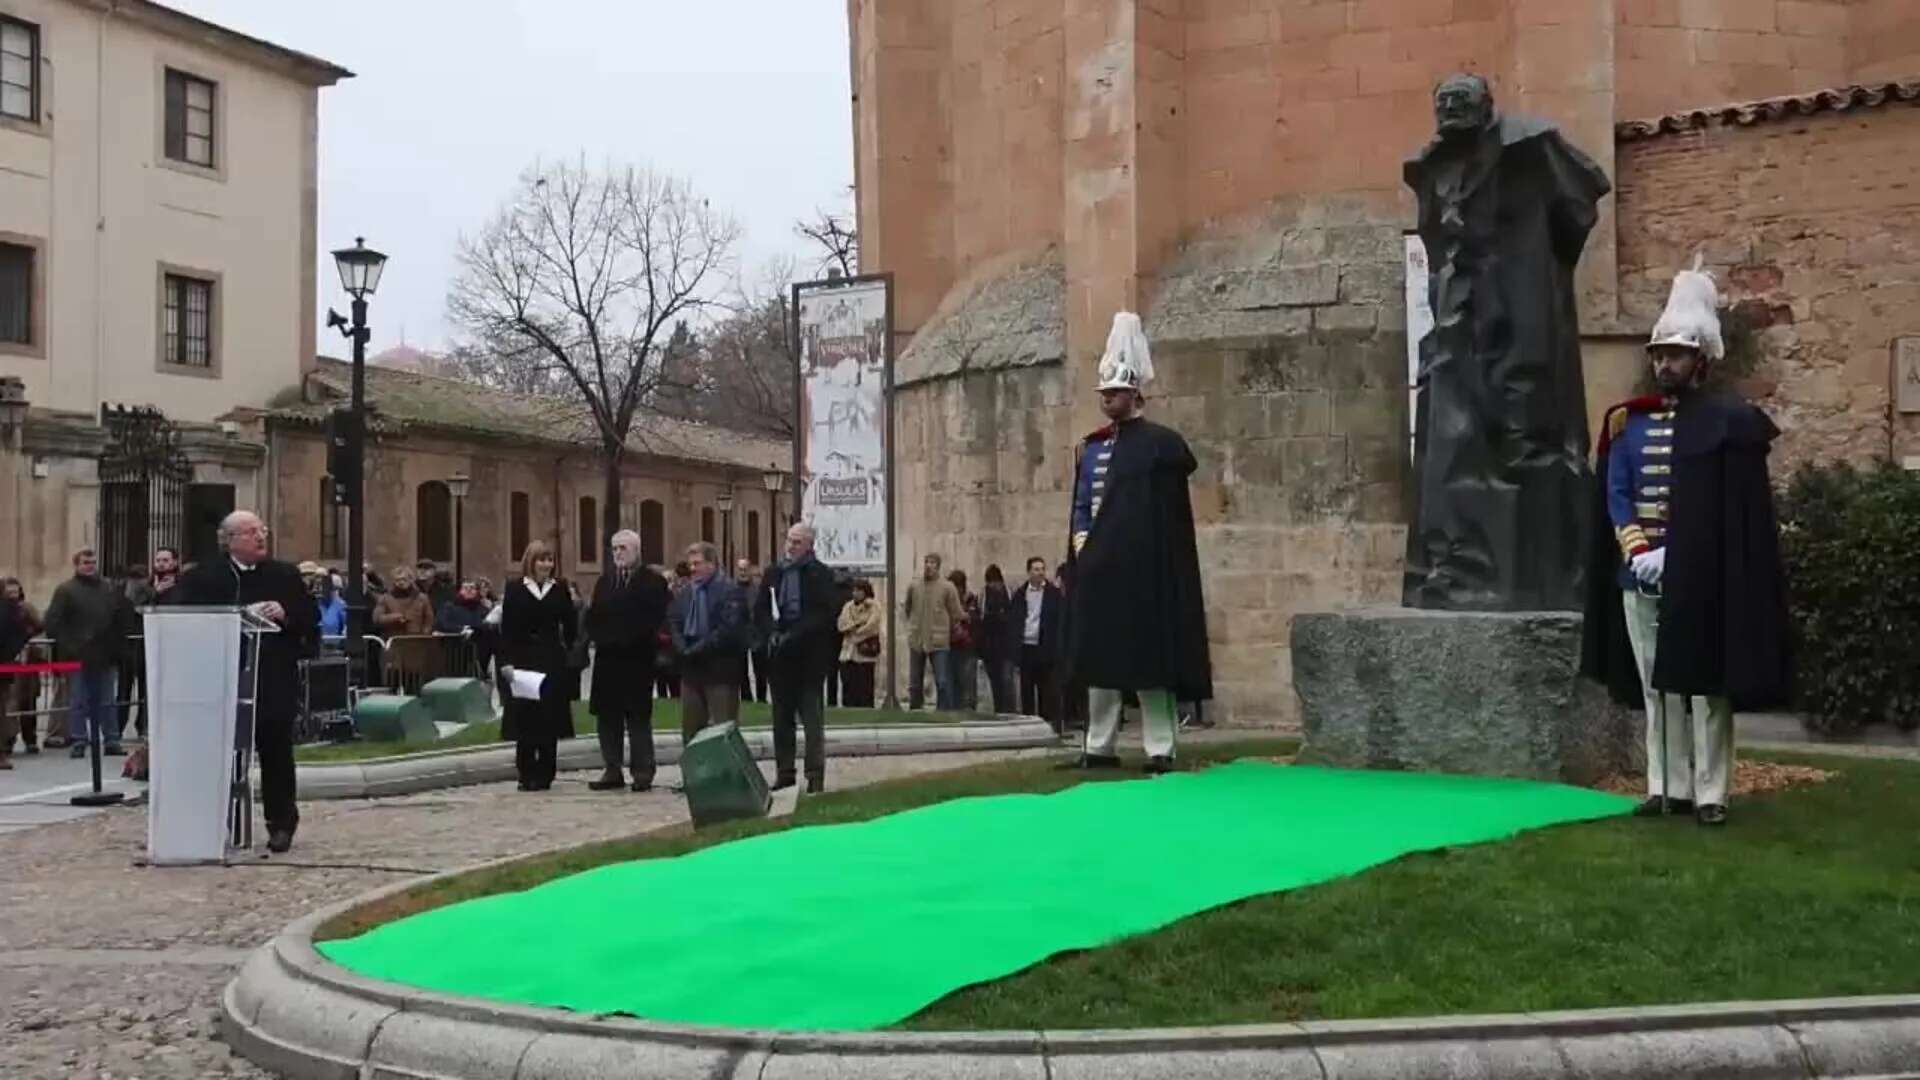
{"type": "Point", "coordinates": [1809, 892]}
{"type": "Point", "coordinates": [666, 717]}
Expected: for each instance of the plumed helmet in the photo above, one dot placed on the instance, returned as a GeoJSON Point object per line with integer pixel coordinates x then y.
{"type": "Point", "coordinates": [1128, 362]}
{"type": "Point", "coordinates": [1692, 317]}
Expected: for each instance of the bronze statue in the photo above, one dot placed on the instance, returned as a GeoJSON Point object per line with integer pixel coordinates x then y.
{"type": "Point", "coordinates": [1501, 504]}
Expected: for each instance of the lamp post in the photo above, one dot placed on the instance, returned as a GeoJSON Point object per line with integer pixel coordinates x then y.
{"type": "Point", "coordinates": [773, 480]}
{"type": "Point", "coordinates": [458, 484]}
{"type": "Point", "coordinates": [360, 270]}
{"type": "Point", "coordinates": [725, 502]}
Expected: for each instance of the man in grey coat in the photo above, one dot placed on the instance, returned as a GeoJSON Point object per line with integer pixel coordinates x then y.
{"type": "Point", "coordinates": [89, 621]}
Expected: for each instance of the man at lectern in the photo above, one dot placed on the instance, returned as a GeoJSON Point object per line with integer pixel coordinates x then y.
{"type": "Point", "coordinates": [273, 591]}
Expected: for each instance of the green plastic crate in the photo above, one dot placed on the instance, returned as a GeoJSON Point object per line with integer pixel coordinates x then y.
{"type": "Point", "coordinates": [394, 718]}
{"type": "Point", "coordinates": [723, 782]}
{"type": "Point", "coordinates": [458, 701]}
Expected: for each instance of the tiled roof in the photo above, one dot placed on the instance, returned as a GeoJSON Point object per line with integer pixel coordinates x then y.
{"type": "Point", "coordinates": [1841, 99]}
{"type": "Point", "coordinates": [404, 400]}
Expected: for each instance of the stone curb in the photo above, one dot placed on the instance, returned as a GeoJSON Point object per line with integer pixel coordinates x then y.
{"type": "Point", "coordinates": [434, 770]}
{"type": "Point", "coordinates": [292, 1010]}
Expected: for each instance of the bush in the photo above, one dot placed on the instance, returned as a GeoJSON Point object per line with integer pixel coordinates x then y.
{"type": "Point", "coordinates": [1851, 542]}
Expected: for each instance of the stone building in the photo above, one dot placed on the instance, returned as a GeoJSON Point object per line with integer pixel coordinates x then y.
{"type": "Point", "coordinates": [534, 475]}
{"type": "Point", "coordinates": [1232, 170]}
{"type": "Point", "coordinates": [158, 179]}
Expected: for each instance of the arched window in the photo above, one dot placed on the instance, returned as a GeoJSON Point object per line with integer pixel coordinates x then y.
{"type": "Point", "coordinates": [653, 533]}
{"type": "Point", "coordinates": [589, 529]}
{"type": "Point", "coordinates": [706, 525]}
{"type": "Point", "coordinates": [519, 525]}
{"type": "Point", "coordinates": [330, 511]}
{"type": "Point", "coordinates": [433, 519]}
{"type": "Point", "coordinates": [753, 537]}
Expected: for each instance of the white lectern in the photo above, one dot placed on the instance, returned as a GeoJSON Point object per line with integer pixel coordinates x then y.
{"type": "Point", "coordinates": [202, 680]}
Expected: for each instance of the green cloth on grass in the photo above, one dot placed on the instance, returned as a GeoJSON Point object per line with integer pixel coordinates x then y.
{"type": "Point", "coordinates": [859, 926]}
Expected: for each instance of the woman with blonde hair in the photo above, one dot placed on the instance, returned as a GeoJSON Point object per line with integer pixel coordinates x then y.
{"type": "Point", "coordinates": [538, 629]}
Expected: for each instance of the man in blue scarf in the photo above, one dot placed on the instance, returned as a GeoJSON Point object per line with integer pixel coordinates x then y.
{"type": "Point", "coordinates": [708, 623]}
{"type": "Point", "coordinates": [796, 611]}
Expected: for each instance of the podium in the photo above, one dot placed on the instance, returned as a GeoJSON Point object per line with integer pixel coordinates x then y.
{"type": "Point", "coordinates": [202, 682]}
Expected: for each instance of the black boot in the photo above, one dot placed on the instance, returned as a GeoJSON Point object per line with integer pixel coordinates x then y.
{"type": "Point", "coordinates": [1713, 815]}
{"type": "Point", "coordinates": [1651, 807]}
{"type": "Point", "coordinates": [1159, 766]}
{"type": "Point", "coordinates": [1087, 762]}
{"type": "Point", "coordinates": [611, 780]}
{"type": "Point", "coordinates": [780, 783]}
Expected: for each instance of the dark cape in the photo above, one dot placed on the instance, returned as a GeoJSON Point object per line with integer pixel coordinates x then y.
{"type": "Point", "coordinates": [1723, 605]}
{"type": "Point", "coordinates": [1501, 444]}
{"type": "Point", "coordinates": [1135, 616]}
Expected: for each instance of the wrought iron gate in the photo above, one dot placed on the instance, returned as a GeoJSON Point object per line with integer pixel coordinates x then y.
{"type": "Point", "coordinates": [144, 475]}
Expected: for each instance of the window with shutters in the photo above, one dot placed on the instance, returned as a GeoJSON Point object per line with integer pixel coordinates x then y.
{"type": "Point", "coordinates": [653, 533]}
{"type": "Point", "coordinates": [330, 511]}
{"type": "Point", "coordinates": [589, 530]}
{"type": "Point", "coordinates": [433, 514]}
{"type": "Point", "coordinates": [753, 537]}
{"type": "Point", "coordinates": [19, 70]}
{"type": "Point", "coordinates": [187, 328]}
{"type": "Point", "coordinates": [22, 306]}
{"type": "Point", "coordinates": [706, 524]}
{"type": "Point", "coordinates": [191, 105]}
{"type": "Point", "coordinates": [519, 524]}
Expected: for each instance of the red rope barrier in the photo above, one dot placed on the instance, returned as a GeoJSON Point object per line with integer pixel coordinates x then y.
{"type": "Point", "coordinates": [57, 667]}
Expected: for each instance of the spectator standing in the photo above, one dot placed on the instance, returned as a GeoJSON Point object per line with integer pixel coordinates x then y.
{"type": "Point", "coordinates": [796, 611]}
{"type": "Point", "coordinates": [708, 621]}
{"type": "Point", "coordinates": [860, 624]}
{"type": "Point", "coordinates": [23, 697]}
{"type": "Point", "coordinates": [13, 638]}
{"type": "Point", "coordinates": [998, 650]}
{"type": "Point", "coordinates": [753, 666]}
{"type": "Point", "coordinates": [629, 608]}
{"type": "Point", "coordinates": [404, 611]}
{"type": "Point", "coordinates": [133, 669]}
{"type": "Point", "coordinates": [842, 594]}
{"type": "Point", "coordinates": [271, 590]}
{"type": "Point", "coordinates": [89, 623]}
{"type": "Point", "coordinates": [932, 607]}
{"type": "Point", "coordinates": [963, 656]}
{"type": "Point", "coordinates": [1033, 618]}
{"type": "Point", "coordinates": [667, 667]}
{"type": "Point", "coordinates": [537, 631]}
{"type": "Point", "coordinates": [435, 582]}
{"type": "Point", "coordinates": [332, 609]}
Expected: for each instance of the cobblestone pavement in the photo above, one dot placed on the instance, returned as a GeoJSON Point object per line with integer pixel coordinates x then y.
{"type": "Point", "coordinates": [111, 970]}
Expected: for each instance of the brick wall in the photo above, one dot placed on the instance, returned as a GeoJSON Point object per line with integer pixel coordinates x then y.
{"type": "Point", "coordinates": [1676, 54]}
{"type": "Point", "coordinates": [1814, 224]}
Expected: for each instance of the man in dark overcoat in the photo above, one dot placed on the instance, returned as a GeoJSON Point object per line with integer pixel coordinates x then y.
{"type": "Point", "coordinates": [796, 610]}
{"type": "Point", "coordinates": [1135, 616]}
{"type": "Point", "coordinates": [1686, 611]}
{"type": "Point", "coordinates": [628, 609]}
{"type": "Point", "coordinates": [273, 590]}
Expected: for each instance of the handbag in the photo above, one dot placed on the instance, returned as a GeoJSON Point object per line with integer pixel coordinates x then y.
{"type": "Point", "coordinates": [962, 636]}
{"type": "Point", "coordinates": [868, 648]}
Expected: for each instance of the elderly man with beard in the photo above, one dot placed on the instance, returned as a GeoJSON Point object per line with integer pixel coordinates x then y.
{"type": "Point", "coordinates": [272, 590]}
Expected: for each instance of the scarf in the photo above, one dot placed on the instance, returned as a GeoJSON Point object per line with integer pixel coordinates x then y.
{"type": "Point", "coordinates": [790, 587]}
{"type": "Point", "coordinates": [699, 611]}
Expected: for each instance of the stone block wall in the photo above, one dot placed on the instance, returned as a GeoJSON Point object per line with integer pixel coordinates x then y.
{"type": "Point", "coordinates": [1679, 53]}
{"type": "Point", "coordinates": [1812, 226]}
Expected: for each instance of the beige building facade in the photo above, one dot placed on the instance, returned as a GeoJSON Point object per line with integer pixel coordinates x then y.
{"type": "Point", "coordinates": [158, 197]}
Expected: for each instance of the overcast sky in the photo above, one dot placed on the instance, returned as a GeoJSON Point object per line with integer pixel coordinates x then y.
{"type": "Point", "coordinates": [748, 99]}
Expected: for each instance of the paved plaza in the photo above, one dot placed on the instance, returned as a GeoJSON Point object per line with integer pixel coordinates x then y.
{"type": "Point", "coordinates": [113, 970]}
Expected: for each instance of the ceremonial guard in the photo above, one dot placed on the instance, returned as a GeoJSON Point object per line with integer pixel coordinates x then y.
{"type": "Point", "coordinates": [1135, 618]}
{"type": "Point", "coordinates": [1686, 609]}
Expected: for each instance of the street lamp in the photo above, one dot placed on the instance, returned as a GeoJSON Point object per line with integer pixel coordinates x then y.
{"type": "Point", "coordinates": [458, 484]}
{"type": "Point", "coordinates": [725, 502]}
{"type": "Point", "coordinates": [773, 480]}
{"type": "Point", "coordinates": [360, 270]}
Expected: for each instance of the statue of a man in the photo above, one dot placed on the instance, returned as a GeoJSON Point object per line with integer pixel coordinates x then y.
{"type": "Point", "coordinates": [1501, 505]}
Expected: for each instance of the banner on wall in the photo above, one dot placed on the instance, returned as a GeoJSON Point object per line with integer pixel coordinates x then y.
{"type": "Point", "coordinates": [844, 329]}
{"type": "Point", "coordinates": [1419, 324]}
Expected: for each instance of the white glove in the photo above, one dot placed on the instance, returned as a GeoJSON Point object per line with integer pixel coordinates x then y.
{"type": "Point", "coordinates": [1648, 566]}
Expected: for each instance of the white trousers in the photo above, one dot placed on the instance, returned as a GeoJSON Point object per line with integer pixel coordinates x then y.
{"type": "Point", "coordinates": [1699, 729]}
{"type": "Point", "coordinates": [1158, 721]}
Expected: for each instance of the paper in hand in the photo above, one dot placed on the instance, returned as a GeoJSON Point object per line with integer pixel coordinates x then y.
{"type": "Point", "coordinates": [526, 684]}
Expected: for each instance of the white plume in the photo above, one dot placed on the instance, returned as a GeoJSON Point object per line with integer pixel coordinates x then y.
{"type": "Point", "coordinates": [1128, 362]}
{"type": "Point", "coordinates": [1693, 314]}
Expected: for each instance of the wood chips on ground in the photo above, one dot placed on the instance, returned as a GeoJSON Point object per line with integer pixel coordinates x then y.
{"type": "Point", "coordinates": [1749, 778]}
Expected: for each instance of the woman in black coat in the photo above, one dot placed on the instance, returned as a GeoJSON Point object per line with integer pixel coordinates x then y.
{"type": "Point", "coordinates": [538, 629]}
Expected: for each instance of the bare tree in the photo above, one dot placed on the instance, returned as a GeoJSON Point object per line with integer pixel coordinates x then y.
{"type": "Point", "coordinates": [579, 280]}
{"type": "Point", "coordinates": [487, 368]}
{"type": "Point", "coordinates": [837, 239]}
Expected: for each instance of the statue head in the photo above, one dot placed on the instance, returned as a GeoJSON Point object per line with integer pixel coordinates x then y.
{"type": "Point", "coordinates": [1462, 104]}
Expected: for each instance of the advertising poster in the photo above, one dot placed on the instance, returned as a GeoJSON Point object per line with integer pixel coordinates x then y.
{"type": "Point", "coordinates": [843, 336]}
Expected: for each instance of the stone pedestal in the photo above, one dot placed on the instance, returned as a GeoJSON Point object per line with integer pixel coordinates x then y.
{"type": "Point", "coordinates": [1465, 692]}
